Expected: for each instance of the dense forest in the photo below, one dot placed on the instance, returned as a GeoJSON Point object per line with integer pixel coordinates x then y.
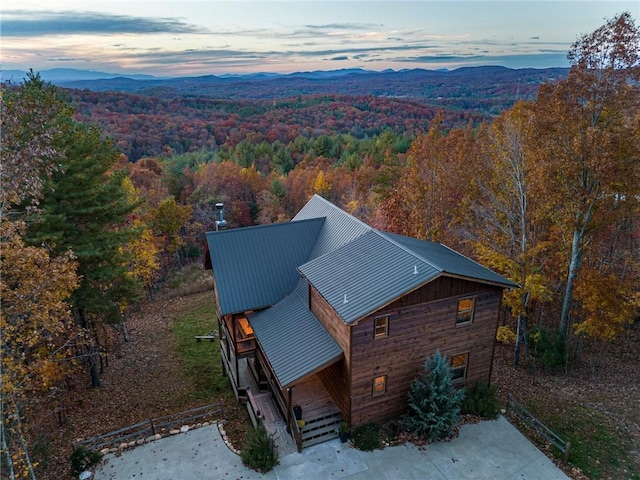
{"type": "Point", "coordinates": [105, 195]}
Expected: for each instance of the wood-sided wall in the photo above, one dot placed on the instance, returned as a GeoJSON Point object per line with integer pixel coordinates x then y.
{"type": "Point", "coordinates": [335, 378]}
{"type": "Point", "coordinates": [419, 324]}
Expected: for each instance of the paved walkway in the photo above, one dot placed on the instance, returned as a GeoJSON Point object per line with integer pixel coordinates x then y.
{"type": "Point", "coordinates": [487, 450]}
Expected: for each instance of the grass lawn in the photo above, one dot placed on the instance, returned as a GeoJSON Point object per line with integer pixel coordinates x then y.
{"type": "Point", "coordinates": [200, 360]}
{"type": "Point", "coordinates": [596, 448]}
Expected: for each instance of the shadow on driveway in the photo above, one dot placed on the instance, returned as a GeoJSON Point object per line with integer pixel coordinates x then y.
{"type": "Point", "coordinates": [487, 450]}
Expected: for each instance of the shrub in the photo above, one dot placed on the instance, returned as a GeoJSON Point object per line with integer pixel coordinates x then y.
{"type": "Point", "coordinates": [366, 437]}
{"type": "Point", "coordinates": [481, 400]}
{"type": "Point", "coordinates": [434, 403]}
{"type": "Point", "coordinates": [505, 334]}
{"type": "Point", "coordinates": [549, 347]}
{"type": "Point", "coordinates": [260, 453]}
{"type": "Point", "coordinates": [83, 458]}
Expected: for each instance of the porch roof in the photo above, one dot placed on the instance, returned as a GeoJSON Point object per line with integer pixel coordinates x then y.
{"type": "Point", "coordinates": [293, 340]}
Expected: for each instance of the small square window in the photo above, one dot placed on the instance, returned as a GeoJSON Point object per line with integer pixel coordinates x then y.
{"type": "Point", "coordinates": [459, 366]}
{"type": "Point", "coordinates": [379, 385]}
{"type": "Point", "coordinates": [381, 327]}
{"type": "Point", "coordinates": [465, 310]}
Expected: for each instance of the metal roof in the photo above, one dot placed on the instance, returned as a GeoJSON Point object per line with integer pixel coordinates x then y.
{"type": "Point", "coordinates": [449, 261]}
{"type": "Point", "coordinates": [254, 267]}
{"type": "Point", "coordinates": [339, 229]}
{"type": "Point", "coordinates": [376, 268]}
{"type": "Point", "coordinates": [366, 274]}
{"type": "Point", "coordinates": [293, 340]}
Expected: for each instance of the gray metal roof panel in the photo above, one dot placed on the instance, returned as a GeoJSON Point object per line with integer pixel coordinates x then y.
{"type": "Point", "coordinates": [255, 267]}
{"type": "Point", "coordinates": [293, 340]}
{"type": "Point", "coordinates": [339, 229]}
{"type": "Point", "coordinates": [368, 273]}
{"type": "Point", "coordinates": [450, 261]}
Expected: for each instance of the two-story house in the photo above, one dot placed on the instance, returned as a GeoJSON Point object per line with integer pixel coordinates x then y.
{"type": "Point", "coordinates": [335, 318]}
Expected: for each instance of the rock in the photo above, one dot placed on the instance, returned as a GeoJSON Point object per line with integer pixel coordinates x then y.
{"type": "Point", "coordinates": [174, 432]}
{"type": "Point", "coordinates": [105, 451]}
{"type": "Point", "coordinates": [132, 443]}
{"type": "Point", "coordinates": [205, 424]}
{"type": "Point", "coordinates": [122, 446]}
{"type": "Point", "coordinates": [150, 438]}
{"type": "Point", "coordinates": [140, 441]}
{"type": "Point", "coordinates": [223, 432]}
{"type": "Point", "coordinates": [157, 436]}
{"type": "Point", "coordinates": [85, 475]}
{"type": "Point", "coordinates": [184, 428]}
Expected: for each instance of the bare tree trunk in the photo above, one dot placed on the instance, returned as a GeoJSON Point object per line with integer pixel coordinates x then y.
{"type": "Point", "coordinates": [92, 351]}
{"type": "Point", "coordinates": [574, 266]}
{"type": "Point", "coordinates": [521, 339]}
{"type": "Point", "coordinates": [5, 450]}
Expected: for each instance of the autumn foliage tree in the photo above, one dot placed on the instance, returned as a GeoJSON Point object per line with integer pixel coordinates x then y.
{"type": "Point", "coordinates": [589, 154]}
{"type": "Point", "coordinates": [502, 222]}
{"type": "Point", "coordinates": [36, 327]}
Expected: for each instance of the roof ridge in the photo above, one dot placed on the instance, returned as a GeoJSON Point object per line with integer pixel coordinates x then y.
{"type": "Point", "coordinates": [264, 225]}
{"type": "Point", "coordinates": [335, 207]}
{"type": "Point", "coordinates": [386, 236]}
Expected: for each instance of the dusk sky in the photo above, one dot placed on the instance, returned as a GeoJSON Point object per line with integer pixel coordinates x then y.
{"type": "Point", "coordinates": [172, 38]}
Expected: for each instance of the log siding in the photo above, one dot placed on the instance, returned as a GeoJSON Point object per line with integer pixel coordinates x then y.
{"type": "Point", "coordinates": [415, 332]}
{"type": "Point", "coordinates": [336, 378]}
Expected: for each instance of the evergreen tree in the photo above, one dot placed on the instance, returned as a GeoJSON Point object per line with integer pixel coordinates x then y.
{"type": "Point", "coordinates": [434, 403]}
{"type": "Point", "coordinates": [84, 210]}
{"type": "Point", "coordinates": [260, 453]}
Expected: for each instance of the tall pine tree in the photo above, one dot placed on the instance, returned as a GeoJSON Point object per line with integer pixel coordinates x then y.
{"type": "Point", "coordinates": [84, 210]}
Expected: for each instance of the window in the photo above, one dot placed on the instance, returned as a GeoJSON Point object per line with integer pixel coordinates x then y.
{"type": "Point", "coordinates": [459, 366]}
{"type": "Point", "coordinates": [379, 385]}
{"type": "Point", "coordinates": [465, 311]}
{"type": "Point", "coordinates": [381, 327]}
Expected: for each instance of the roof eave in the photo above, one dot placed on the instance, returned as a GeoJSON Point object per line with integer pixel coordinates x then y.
{"type": "Point", "coordinates": [508, 284]}
{"type": "Point", "coordinates": [442, 274]}
{"type": "Point", "coordinates": [314, 371]}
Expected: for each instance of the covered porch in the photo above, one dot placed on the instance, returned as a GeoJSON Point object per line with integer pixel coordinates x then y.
{"type": "Point", "coordinates": [309, 402]}
{"type": "Point", "coordinates": [292, 348]}
{"type": "Point", "coordinates": [313, 418]}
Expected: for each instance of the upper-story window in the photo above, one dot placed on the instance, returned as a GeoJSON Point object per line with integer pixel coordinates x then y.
{"type": "Point", "coordinates": [466, 307]}
{"type": "Point", "coordinates": [381, 327]}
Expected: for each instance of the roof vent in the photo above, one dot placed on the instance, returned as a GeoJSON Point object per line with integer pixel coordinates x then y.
{"type": "Point", "coordinates": [220, 222]}
{"type": "Point", "coordinates": [345, 299]}
{"type": "Point", "coordinates": [415, 269]}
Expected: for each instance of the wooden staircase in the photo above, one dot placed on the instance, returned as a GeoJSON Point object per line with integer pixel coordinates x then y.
{"type": "Point", "coordinates": [321, 429]}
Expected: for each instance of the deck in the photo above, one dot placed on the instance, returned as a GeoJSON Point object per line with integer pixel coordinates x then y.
{"type": "Point", "coordinates": [320, 415]}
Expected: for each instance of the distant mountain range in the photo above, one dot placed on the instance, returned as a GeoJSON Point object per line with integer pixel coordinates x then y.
{"type": "Point", "coordinates": [487, 90]}
{"type": "Point", "coordinates": [65, 75]}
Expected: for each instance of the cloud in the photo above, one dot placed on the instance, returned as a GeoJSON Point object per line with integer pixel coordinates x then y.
{"type": "Point", "coordinates": [20, 23]}
{"type": "Point", "coordinates": [344, 57]}
{"type": "Point", "coordinates": [342, 26]}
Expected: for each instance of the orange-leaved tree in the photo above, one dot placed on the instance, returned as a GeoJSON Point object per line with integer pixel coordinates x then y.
{"type": "Point", "coordinates": [588, 153]}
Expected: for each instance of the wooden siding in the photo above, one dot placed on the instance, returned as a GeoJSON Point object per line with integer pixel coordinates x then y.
{"type": "Point", "coordinates": [417, 330]}
{"type": "Point", "coordinates": [336, 378]}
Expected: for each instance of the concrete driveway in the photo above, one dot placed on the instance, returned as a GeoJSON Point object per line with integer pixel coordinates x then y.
{"type": "Point", "coordinates": [487, 450]}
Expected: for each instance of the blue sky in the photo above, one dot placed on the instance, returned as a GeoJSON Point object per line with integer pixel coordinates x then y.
{"type": "Point", "coordinates": [171, 38]}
